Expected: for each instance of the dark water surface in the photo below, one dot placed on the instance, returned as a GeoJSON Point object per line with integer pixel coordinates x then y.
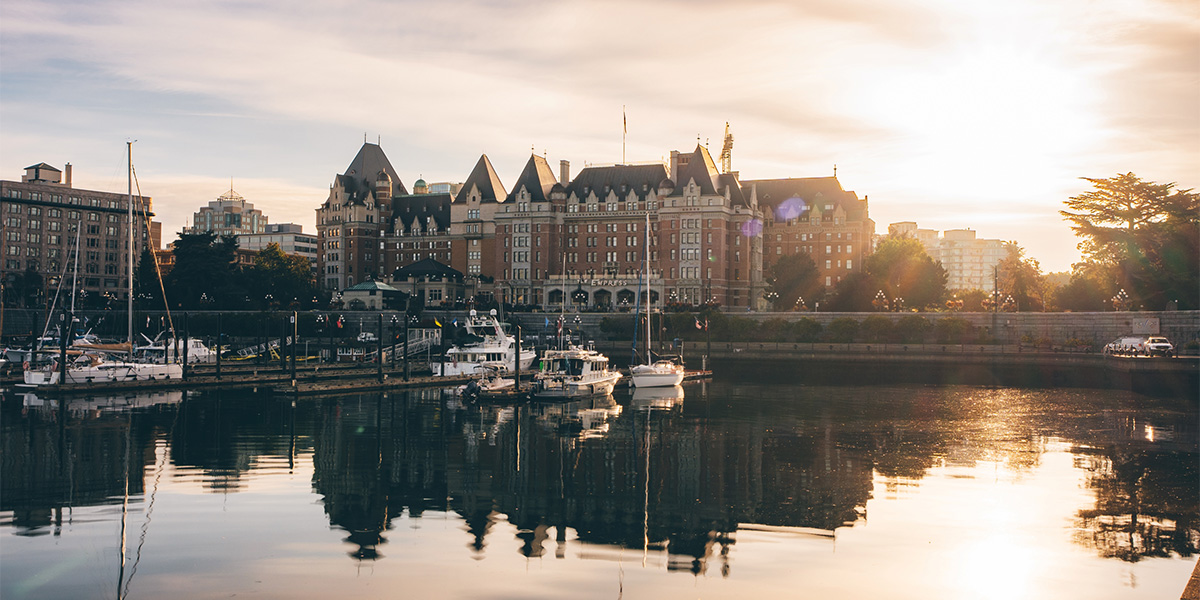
{"type": "Point", "coordinates": [735, 490]}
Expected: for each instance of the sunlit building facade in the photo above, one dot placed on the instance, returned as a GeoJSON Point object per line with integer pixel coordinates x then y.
{"type": "Point", "coordinates": [556, 240]}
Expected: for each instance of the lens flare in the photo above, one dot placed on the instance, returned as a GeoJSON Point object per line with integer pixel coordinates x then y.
{"type": "Point", "coordinates": [752, 228]}
{"type": "Point", "coordinates": [789, 209]}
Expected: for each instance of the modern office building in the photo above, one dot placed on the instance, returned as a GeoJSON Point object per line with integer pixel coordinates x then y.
{"type": "Point", "coordinates": [43, 218]}
{"type": "Point", "coordinates": [289, 236]}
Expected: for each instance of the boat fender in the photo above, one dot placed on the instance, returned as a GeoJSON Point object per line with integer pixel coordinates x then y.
{"type": "Point", "coordinates": [25, 365]}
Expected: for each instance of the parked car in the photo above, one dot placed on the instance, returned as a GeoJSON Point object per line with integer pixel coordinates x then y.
{"type": "Point", "coordinates": [1159, 346]}
{"type": "Point", "coordinates": [1140, 345]}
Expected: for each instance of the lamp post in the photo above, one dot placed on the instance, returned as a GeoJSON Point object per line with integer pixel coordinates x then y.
{"type": "Point", "coordinates": [1121, 301]}
{"type": "Point", "coordinates": [394, 321]}
{"type": "Point", "coordinates": [321, 320]}
{"type": "Point", "coordinates": [880, 302]}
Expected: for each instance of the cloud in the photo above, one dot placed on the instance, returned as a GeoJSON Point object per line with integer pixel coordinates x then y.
{"type": "Point", "coordinates": [933, 108]}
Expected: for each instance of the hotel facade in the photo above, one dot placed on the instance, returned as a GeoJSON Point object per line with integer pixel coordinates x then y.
{"type": "Point", "coordinates": [556, 240]}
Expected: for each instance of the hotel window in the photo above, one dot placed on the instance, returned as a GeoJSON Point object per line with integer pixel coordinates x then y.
{"type": "Point", "coordinates": [828, 264]}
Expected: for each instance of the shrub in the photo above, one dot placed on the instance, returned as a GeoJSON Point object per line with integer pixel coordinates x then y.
{"type": "Point", "coordinates": [912, 328]}
{"type": "Point", "coordinates": [806, 330]}
{"type": "Point", "coordinates": [953, 330]}
{"type": "Point", "coordinates": [843, 330]}
{"type": "Point", "coordinates": [877, 328]}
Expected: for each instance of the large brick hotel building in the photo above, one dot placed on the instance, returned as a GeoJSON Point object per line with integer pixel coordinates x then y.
{"type": "Point", "coordinates": [553, 239]}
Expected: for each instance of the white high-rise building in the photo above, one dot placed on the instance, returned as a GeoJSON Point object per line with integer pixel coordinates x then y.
{"type": "Point", "coordinates": [969, 261]}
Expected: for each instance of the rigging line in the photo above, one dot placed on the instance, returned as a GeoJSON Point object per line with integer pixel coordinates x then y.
{"type": "Point", "coordinates": [61, 279]}
{"type": "Point", "coordinates": [159, 467]}
{"type": "Point", "coordinates": [157, 270]}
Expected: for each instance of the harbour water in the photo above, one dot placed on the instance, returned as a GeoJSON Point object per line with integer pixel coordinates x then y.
{"type": "Point", "coordinates": [727, 489]}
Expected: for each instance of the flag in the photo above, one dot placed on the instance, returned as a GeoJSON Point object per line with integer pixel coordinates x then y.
{"type": "Point", "coordinates": [339, 322]}
{"type": "Point", "coordinates": [436, 322]}
{"type": "Point", "coordinates": [706, 324]}
{"type": "Point", "coordinates": [624, 120]}
{"type": "Point", "coordinates": [698, 326]}
{"type": "Point", "coordinates": [455, 323]}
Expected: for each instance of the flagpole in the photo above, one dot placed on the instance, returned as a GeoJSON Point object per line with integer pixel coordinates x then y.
{"type": "Point", "coordinates": [624, 131]}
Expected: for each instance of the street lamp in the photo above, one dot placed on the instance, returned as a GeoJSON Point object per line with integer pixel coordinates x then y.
{"type": "Point", "coordinates": [394, 321]}
{"type": "Point", "coordinates": [880, 302]}
{"type": "Point", "coordinates": [1121, 301]}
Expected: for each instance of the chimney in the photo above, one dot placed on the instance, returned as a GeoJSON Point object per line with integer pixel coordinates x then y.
{"type": "Point", "coordinates": [564, 172]}
{"type": "Point", "coordinates": [67, 175]}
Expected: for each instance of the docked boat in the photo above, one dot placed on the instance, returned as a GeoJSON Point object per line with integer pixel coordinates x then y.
{"type": "Point", "coordinates": [159, 352]}
{"type": "Point", "coordinates": [652, 372]}
{"type": "Point", "coordinates": [484, 344]}
{"type": "Point", "coordinates": [489, 383]}
{"type": "Point", "coordinates": [574, 373]}
{"type": "Point", "coordinates": [98, 367]}
{"type": "Point", "coordinates": [102, 363]}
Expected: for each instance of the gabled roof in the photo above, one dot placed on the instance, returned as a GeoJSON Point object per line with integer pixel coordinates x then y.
{"type": "Point", "coordinates": [537, 178]}
{"type": "Point", "coordinates": [371, 285]}
{"type": "Point", "coordinates": [426, 267]}
{"type": "Point", "coordinates": [369, 163]}
{"type": "Point", "coordinates": [736, 196]}
{"type": "Point", "coordinates": [702, 169]}
{"type": "Point", "coordinates": [406, 209]}
{"type": "Point", "coordinates": [640, 179]}
{"type": "Point", "coordinates": [43, 167]}
{"type": "Point", "coordinates": [484, 178]}
{"type": "Point", "coordinates": [773, 192]}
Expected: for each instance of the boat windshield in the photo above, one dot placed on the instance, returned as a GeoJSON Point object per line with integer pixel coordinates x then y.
{"type": "Point", "coordinates": [569, 366]}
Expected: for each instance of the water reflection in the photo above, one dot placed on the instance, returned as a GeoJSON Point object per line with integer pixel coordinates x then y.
{"type": "Point", "coordinates": [674, 474]}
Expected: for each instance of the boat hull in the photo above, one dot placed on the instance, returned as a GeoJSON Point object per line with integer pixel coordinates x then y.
{"type": "Point", "coordinates": [650, 377]}
{"type": "Point", "coordinates": [554, 389]}
{"type": "Point", "coordinates": [107, 373]}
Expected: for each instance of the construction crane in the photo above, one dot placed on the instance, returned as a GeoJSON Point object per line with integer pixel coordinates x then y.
{"type": "Point", "coordinates": [727, 151]}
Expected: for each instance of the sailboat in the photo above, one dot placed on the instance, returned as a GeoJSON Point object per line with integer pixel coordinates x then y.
{"type": "Point", "coordinates": [98, 363]}
{"type": "Point", "coordinates": [651, 373]}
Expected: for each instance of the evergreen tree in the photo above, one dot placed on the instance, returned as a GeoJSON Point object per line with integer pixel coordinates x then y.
{"type": "Point", "coordinates": [1145, 235]}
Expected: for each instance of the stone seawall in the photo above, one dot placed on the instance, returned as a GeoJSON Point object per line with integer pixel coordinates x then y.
{"type": "Point", "coordinates": [1096, 328]}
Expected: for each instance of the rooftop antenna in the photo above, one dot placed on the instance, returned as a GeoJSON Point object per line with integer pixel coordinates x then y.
{"type": "Point", "coordinates": [364, 137]}
{"type": "Point", "coordinates": [835, 169]}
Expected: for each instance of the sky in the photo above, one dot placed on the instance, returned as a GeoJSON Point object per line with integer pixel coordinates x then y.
{"type": "Point", "coordinates": [951, 113]}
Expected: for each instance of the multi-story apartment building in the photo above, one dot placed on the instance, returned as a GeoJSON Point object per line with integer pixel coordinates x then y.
{"type": "Point", "coordinates": [229, 214]}
{"type": "Point", "coordinates": [290, 238]}
{"type": "Point", "coordinates": [583, 240]}
{"type": "Point", "coordinates": [969, 261]}
{"type": "Point", "coordinates": [43, 216]}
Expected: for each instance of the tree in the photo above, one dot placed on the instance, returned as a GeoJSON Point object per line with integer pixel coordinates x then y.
{"type": "Point", "coordinates": [147, 289]}
{"type": "Point", "coordinates": [205, 267]}
{"type": "Point", "coordinates": [903, 269]}
{"type": "Point", "coordinates": [1022, 278]}
{"type": "Point", "coordinates": [1146, 235]}
{"type": "Point", "coordinates": [792, 277]}
{"type": "Point", "coordinates": [287, 280]}
{"type": "Point", "coordinates": [1087, 291]}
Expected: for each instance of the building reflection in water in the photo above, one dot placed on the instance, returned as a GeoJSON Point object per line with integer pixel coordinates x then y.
{"type": "Point", "coordinates": [673, 477]}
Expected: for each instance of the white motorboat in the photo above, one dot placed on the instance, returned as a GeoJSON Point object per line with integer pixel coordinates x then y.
{"type": "Point", "coordinates": [197, 352]}
{"type": "Point", "coordinates": [574, 373]}
{"type": "Point", "coordinates": [487, 345]}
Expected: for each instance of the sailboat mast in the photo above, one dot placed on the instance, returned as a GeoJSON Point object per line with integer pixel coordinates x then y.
{"type": "Point", "coordinates": [646, 273]}
{"type": "Point", "coordinates": [129, 269]}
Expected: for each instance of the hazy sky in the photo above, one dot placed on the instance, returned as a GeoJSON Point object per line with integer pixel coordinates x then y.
{"type": "Point", "coordinates": [950, 113]}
